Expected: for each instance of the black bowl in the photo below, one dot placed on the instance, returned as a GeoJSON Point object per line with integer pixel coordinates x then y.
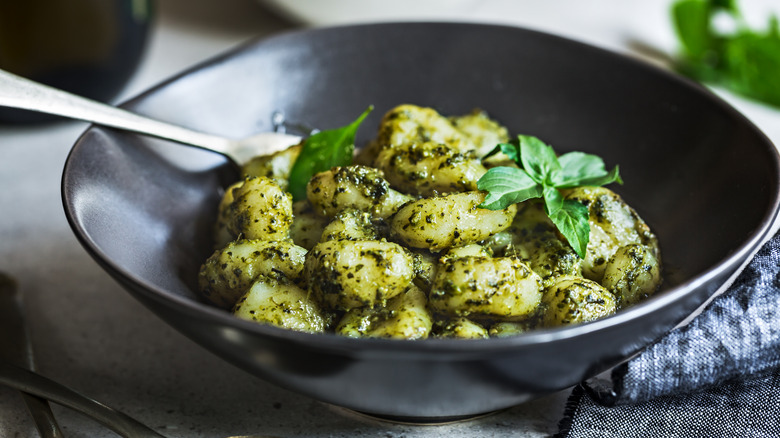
{"type": "Point", "coordinates": [704, 178]}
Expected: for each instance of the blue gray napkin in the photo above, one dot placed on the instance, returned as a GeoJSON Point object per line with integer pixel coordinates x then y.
{"type": "Point", "coordinates": [718, 376]}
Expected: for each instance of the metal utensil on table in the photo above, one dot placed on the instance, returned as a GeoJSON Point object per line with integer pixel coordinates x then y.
{"type": "Point", "coordinates": [15, 348]}
{"type": "Point", "coordinates": [33, 383]}
{"type": "Point", "coordinates": [21, 93]}
{"type": "Point", "coordinates": [16, 363]}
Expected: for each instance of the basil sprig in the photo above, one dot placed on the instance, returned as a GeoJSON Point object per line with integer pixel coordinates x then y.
{"type": "Point", "coordinates": [321, 151]}
{"type": "Point", "coordinates": [741, 59]}
{"type": "Point", "coordinates": [542, 175]}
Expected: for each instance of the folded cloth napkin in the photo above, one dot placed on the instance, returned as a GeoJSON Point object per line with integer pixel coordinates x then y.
{"type": "Point", "coordinates": [718, 376]}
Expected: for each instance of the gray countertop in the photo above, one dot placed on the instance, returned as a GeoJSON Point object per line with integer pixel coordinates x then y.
{"type": "Point", "coordinates": [91, 335]}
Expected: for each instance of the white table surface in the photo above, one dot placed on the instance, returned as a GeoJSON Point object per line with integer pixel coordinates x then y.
{"type": "Point", "coordinates": [90, 334]}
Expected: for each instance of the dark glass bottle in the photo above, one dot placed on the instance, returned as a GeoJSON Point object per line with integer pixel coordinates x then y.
{"type": "Point", "coordinates": [87, 47]}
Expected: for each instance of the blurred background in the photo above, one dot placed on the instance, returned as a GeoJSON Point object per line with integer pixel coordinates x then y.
{"type": "Point", "coordinates": [53, 34]}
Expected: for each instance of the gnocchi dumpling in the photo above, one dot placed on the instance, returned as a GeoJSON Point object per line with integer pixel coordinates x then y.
{"type": "Point", "coordinates": [613, 224]}
{"type": "Point", "coordinates": [350, 225]}
{"type": "Point", "coordinates": [443, 222]}
{"type": "Point", "coordinates": [501, 287]}
{"type": "Point", "coordinates": [276, 166]}
{"type": "Point", "coordinates": [353, 187]}
{"type": "Point", "coordinates": [484, 132]}
{"type": "Point", "coordinates": [468, 250]}
{"type": "Point", "coordinates": [229, 271]}
{"type": "Point", "coordinates": [405, 316]}
{"type": "Point", "coordinates": [260, 210]}
{"type": "Point", "coordinates": [222, 234]}
{"type": "Point", "coordinates": [460, 328]}
{"type": "Point", "coordinates": [503, 329]}
{"type": "Point", "coordinates": [536, 241]}
{"type": "Point", "coordinates": [307, 226]}
{"type": "Point", "coordinates": [345, 274]}
{"type": "Point", "coordinates": [429, 168]}
{"type": "Point", "coordinates": [632, 274]}
{"type": "Point", "coordinates": [281, 303]}
{"type": "Point", "coordinates": [574, 300]}
{"type": "Point", "coordinates": [412, 124]}
{"type": "Point", "coordinates": [425, 265]}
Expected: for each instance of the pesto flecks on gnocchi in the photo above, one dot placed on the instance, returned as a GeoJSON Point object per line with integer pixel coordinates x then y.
{"type": "Point", "coordinates": [397, 246]}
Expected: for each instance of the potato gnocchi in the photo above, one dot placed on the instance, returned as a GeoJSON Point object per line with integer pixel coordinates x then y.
{"type": "Point", "coordinates": [396, 246]}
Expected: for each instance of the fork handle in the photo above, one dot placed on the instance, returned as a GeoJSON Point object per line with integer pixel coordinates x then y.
{"type": "Point", "coordinates": [21, 93]}
{"type": "Point", "coordinates": [36, 384]}
{"type": "Point", "coordinates": [42, 416]}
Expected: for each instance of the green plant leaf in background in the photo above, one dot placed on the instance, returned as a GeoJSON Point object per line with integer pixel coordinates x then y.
{"type": "Point", "coordinates": [692, 23]}
{"type": "Point", "coordinates": [745, 61]}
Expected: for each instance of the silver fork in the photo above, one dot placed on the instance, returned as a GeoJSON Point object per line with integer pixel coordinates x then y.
{"type": "Point", "coordinates": [21, 93]}
{"type": "Point", "coordinates": [15, 347]}
{"type": "Point", "coordinates": [33, 383]}
{"type": "Point", "coordinates": [16, 363]}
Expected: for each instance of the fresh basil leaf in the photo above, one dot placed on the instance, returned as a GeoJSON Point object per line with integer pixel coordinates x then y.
{"type": "Point", "coordinates": [543, 173]}
{"type": "Point", "coordinates": [572, 221]}
{"type": "Point", "coordinates": [538, 159]}
{"type": "Point", "coordinates": [577, 166]}
{"type": "Point", "coordinates": [553, 200]}
{"type": "Point", "coordinates": [581, 169]}
{"type": "Point", "coordinates": [609, 178]}
{"type": "Point", "coordinates": [511, 149]}
{"type": "Point", "coordinates": [493, 151]}
{"type": "Point", "coordinates": [507, 186]}
{"type": "Point", "coordinates": [322, 151]}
